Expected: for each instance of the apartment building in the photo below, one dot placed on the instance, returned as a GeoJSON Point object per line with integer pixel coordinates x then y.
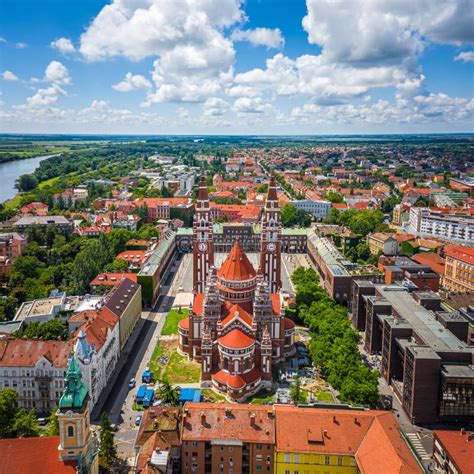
{"type": "Point", "coordinates": [59, 222]}
{"type": "Point", "coordinates": [382, 243]}
{"type": "Point", "coordinates": [227, 438]}
{"type": "Point", "coordinates": [424, 352]}
{"type": "Point", "coordinates": [453, 452]}
{"type": "Point", "coordinates": [97, 350]}
{"type": "Point", "coordinates": [434, 223]}
{"type": "Point", "coordinates": [315, 440]}
{"type": "Point", "coordinates": [12, 246]}
{"type": "Point", "coordinates": [35, 369]}
{"type": "Point", "coordinates": [125, 301]}
{"type": "Point", "coordinates": [459, 268]}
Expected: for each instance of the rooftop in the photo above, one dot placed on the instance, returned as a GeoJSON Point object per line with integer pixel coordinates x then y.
{"type": "Point", "coordinates": [156, 257]}
{"type": "Point", "coordinates": [460, 447]}
{"type": "Point", "coordinates": [421, 320]}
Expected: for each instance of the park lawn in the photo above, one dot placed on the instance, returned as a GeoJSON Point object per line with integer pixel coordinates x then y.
{"type": "Point", "coordinates": [324, 397]}
{"type": "Point", "coordinates": [262, 397]}
{"type": "Point", "coordinates": [180, 370]}
{"type": "Point", "coordinates": [172, 321]}
{"type": "Point", "coordinates": [212, 397]}
{"type": "Point", "coordinates": [155, 366]}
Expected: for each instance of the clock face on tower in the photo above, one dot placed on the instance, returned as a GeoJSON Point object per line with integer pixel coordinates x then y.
{"type": "Point", "coordinates": [202, 247]}
{"type": "Point", "coordinates": [271, 247]}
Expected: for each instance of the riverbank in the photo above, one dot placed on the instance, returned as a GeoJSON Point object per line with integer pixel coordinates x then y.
{"type": "Point", "coordinates": [11, 171]}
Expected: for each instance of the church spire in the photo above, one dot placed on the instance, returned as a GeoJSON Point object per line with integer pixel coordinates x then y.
{"type": "Point", "coordinates": [76, 390]}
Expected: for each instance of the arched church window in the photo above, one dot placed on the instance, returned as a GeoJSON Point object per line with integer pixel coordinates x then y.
{"type": "Point", "coordinates": [70, 431]}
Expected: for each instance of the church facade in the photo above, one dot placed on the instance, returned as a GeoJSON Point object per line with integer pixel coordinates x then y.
{"type": "Point", "coordinates": [236, 326]}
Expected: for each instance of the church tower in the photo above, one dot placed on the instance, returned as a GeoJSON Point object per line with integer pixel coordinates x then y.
{"type": "Point", "coordinates": [270, 244]}
{"type": "Point", "coordinates": [266, 355]}
{"type": "Point", "coordinates": [203, 244]}
{"type": "Point", "coordinates": [76, 442]}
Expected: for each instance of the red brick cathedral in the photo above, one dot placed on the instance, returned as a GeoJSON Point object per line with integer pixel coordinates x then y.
{"type": "Point", "coordinates": [236, 326]}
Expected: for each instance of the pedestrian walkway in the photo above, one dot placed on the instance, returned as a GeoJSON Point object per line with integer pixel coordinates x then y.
{"type": "Point", "coordinates": [418, 447]}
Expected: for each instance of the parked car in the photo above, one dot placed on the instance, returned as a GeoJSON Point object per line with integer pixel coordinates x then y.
{"type": "Point", "coordinates": [42, 421]}
{"type": "Point", "coordinates": [132, 383]}
{"type": "Point", "coordinates": [138, 420]}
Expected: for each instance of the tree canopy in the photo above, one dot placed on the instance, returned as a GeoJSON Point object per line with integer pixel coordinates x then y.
{"type": "Point", "coordinates": [15, 422]}
{"type": "Point", "coordinates": [292, 217]}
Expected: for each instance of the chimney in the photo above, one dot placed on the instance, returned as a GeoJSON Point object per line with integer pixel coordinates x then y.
{"type": "Point", "coordinates": [463, 431]}
{"type": "Point", "coordinates": [252, 419]}
{"type": "Point", "coordinates": [228, 413]}
{"type": "Point", "coordinates": [203, 418]}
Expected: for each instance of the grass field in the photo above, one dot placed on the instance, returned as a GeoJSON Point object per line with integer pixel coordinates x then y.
{"type": "Point", "coordinates": [172, 321]}
{"type": "Point", "coordinates": [262, 397]}
{"type": "Point", "coordinates": [178, 368]}
{"type": "Point", "coordinates": [211, 396]}
{"type": "Point", "coordinates": [324, 397]}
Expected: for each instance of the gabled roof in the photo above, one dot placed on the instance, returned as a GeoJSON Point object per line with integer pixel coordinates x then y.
{"type": "Point", "coordinates": [38, 455]}
{"type": "Point", "coordinates": [237, 312]}
{"type": "Point", "coordinates": [236, 339]}
{"type": "Point", "coordinates": [236, 266]}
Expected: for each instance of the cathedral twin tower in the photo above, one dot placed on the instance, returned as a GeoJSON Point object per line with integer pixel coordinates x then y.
{"type": "Point", "coordinates": [236, 326]}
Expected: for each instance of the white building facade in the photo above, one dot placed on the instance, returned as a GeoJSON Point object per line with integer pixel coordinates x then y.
{"type": "Point", "coordinates": [319, 209]}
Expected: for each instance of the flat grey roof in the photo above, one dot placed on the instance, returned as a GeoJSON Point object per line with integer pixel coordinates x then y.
{"type": "Point", "coordinates": [421, 320]}
{"type": "Point", "coordinates": [458, 370]}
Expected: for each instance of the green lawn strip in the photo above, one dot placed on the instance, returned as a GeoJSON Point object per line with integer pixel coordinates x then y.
{"type": "Point", "coordinates": [180, 370]}
{"type": "Point", "coordinates": [137, 407]}
{"type": "Point", "coordinates": [262, 397]}
{"type": "Point", "coordinates": [325, 397]}
{"type": "Point", "coordinates": [211, 396]}
{"type": "Point", "coordinates": [155, 366]}
{"type": "Point", "coordinates": [172, 320]}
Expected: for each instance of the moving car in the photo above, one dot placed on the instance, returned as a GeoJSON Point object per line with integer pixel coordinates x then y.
{"type": "Point", "coordinates": [132, 383]}
{"type": "Point", "coordinates": [138, 420]}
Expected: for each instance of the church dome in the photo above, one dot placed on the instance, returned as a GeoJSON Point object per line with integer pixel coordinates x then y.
{"type": "Point", "coordinates": [237, 266]}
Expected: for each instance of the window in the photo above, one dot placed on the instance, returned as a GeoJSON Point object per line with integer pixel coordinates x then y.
{"type": "Point", "coordinates": [326, 460]}
{"type": "Point", "coordinates": [259, 468]}
{"type": "Point", "coordinates": [288, 459]}
{"type": "Point", "coordinates": [259, 446]}
{"type": "Point", "coordinates": [70, 431]}
{"type": "Point", "coordinates": [297, 458]}
{"type": "Point", "coordinates": [287, 471]}
{"type": "Point", "coordinates": [339, 461]}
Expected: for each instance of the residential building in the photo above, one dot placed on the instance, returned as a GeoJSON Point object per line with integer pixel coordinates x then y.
{"type": "Point", "coordinates": [37, 208]}
{"type": "Point", "coordinates": [227, 438]}
{"type": "Point", "coordinates": [125, 301]}
{"type": "Point", "coordinates": [110, 279]}
{"type": "Point", "coordinates": [152, 275]}
{"type": "Point", "coordinates": [459, 269]}
{"type": "Point", "coordinates": [12, 246]}
{"type": "Point", "coordinates": [128, 222]}
{"type": "Point", "coordinates": [318, 208]}
{"type": "Point", "coordinates": [41, 310]}
{"type": "Point", "coordinates": [424, 352]}
{"type": "Point", "coordinates": [382, 243]}
{"type": "Point", "coordinates": [315, 440]}
{"type": "Point", "coordinates": [465, 185]}
{"type": "Point", "coordinates": [97, 350]}
{"type": "Point", "coordinates": [26, 222]}
{"type": "Point", "coordinates": [453, 452]}
{"type": "Point", "coordinates": [35, 369]}
{"type": "Point", "coordinates": [134, 258]}
{"type": "Point", "coordinates": [434, 223]}
{"type": "Point", "coordinates": [158, 441]}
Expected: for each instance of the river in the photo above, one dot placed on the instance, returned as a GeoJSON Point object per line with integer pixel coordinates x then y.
{"type": "Point", "coordinates": [12, 170]}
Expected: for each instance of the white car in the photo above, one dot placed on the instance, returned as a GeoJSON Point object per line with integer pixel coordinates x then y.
{"type": "Point", "coordinates": [132, 383]}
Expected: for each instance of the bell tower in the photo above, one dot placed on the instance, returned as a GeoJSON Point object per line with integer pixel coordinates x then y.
{"type": "Point", "coordinates": [270, 240]}
{"type": "Point", "coordinates": [76, 442]}
{"type": "Point", "coordinates": [203, 243]}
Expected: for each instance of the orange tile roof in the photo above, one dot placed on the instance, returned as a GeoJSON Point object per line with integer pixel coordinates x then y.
{"type": "Point", "coordinates": [276, 306]}
{"type": "Point", "coordinates": [237, 266]}
{"type": "Point", "coordinates": [460, 448]}
{"type": "Point", "coordinates": [344, 432]}
{"type": "Point", "coordinates": [236, 339]}
{"type": "Point", "coordinates": [38, 455]}
{"type": "Point", "coordinates": [184, 323]}
{"type": "Point", "coordinates": [464, 254]}
{"type": "Point", "coordinates": [339, 205]}
{"type": "Point", "coordinates": [197, 303]}
{"type": "Point", "coordinates": [112, 278]}
{"type": "Point", "coordinates": [236, 426]}
{"type": "Point", "coordinates": [433, 260]}
{"type": "Point", "coordinates": [97, 328]}
{"type": "Point", "coordinates": [27, 352]}
{"type": "Point", "coordinates": [238, 311]}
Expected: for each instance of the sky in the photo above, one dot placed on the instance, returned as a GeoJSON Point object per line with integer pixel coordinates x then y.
{"type": "Point", "coordinates": [236, 67]}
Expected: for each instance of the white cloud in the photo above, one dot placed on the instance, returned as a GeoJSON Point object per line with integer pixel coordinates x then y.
{"type": "Point", "coordinates": [251, 105]}
{"type": "Point", "coordinates": [63, 45]}
{"type": "Point", "coordinates": [9, 76]}
{"type": "Point", "coordinates": [45, 97]}
{"type": "Point", "coordinates": [132, 83]}
{"type": "Point", "coordinates": [271, 38]}
{"type": "Point", "coordinates": [21, 45]}
{"type": "Point", "coordinates": [465, 57]}
{"type": "Point", "coordinates": [215, 107]}
{"type": "Point", "coordinates": [57, 73]}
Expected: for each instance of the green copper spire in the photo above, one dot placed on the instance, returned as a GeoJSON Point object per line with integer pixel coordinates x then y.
{"type": "Point", "coordinates": [76, 390]}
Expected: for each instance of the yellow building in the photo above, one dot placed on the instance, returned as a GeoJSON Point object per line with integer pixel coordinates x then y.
{"type": "Point", "coordinates": [336, 441]}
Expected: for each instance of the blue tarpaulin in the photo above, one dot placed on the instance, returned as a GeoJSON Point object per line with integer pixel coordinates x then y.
{"type": "Point", "coordinates": [189, 395]}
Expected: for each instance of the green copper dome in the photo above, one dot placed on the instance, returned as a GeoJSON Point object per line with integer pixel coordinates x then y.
{"type": "Point", "coordinates": [76, 390]}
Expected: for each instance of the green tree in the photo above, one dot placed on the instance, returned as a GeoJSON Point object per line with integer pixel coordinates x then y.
{"type": "Point", "coordinates": [7, 308]}
{"type": "Point", "coordinates": [26, 182]}
{"type": "Point", "coordinates": [53, 423]}
{"type": "Point", "coordinates": [289, 215]}
{"type": "Point", "coordinates": [15, 422]}
{"type": "Point", "coordinates": [107, 449]}
{"type": "Point", "coordinates": [333, 196]}
{"type": "Point", "coordinates": [25, 424]}
{"type": "Point", "coordinates": [168, 394]}
{"type": "Point", "coordinates": [296, 393]}
{"type": "Point", "coordinates": [148, 231]}
{"type": "Point", "coordinates": [263, 188]}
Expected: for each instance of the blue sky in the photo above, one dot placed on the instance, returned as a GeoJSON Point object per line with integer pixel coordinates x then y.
{"type": "Point", "coordinates": [234, 67]}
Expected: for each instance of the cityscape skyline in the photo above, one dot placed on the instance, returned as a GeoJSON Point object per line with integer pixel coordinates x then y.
{"type": "Point", "coordinates": [256, 67]}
